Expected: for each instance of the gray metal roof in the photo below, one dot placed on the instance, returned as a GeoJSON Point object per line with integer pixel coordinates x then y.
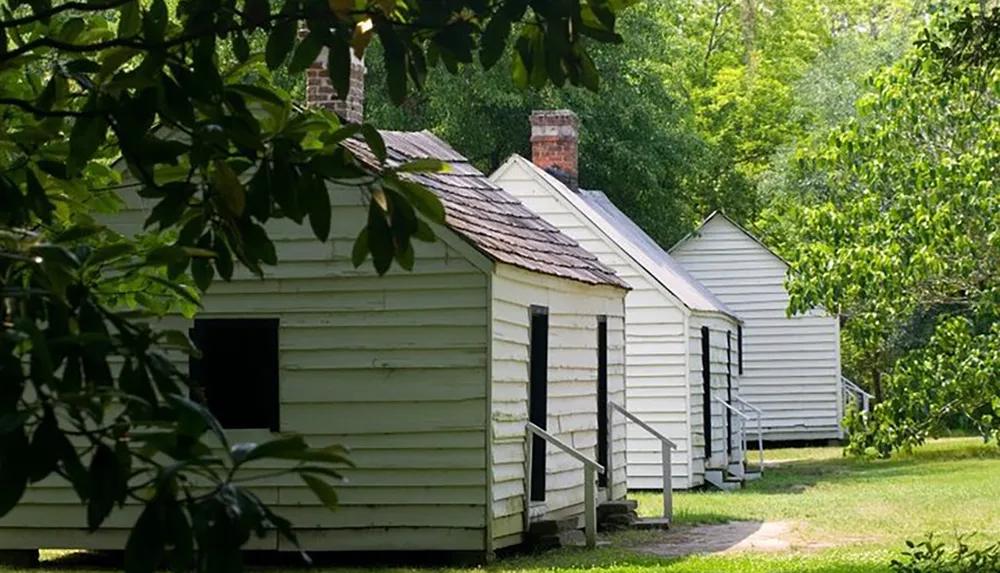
{"type": "Point", "coordinates": [488, 217]}
{"type": "Point", "coordinates": [668, 271]}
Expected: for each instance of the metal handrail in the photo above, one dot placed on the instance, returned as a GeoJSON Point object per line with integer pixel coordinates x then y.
{"type": "Point", "coordinates": [748, 405]}
{"type": "Point", "coordinates": [743, 416]}
{"type": "Point", "coordinates": [590, 471]}
{"type": "Point", "coordinates": [737, 411]}
{"type": "Point", "coordinates": [760, 431]}
{"type": "Point", "coordinates": [666, 445]}
{"type": "Point", "coordinates": [865, 397]}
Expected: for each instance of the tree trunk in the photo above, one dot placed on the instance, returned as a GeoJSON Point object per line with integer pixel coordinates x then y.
{"type": "Point", "coordinates": [877, 385]}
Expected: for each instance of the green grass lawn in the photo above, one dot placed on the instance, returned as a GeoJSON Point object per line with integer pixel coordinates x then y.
{"type": "Point", "coordinates": [849, 515]}
{"type": "Point", "coordinates": [947, 486]}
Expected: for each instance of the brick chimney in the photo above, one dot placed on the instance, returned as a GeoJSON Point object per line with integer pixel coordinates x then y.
{"type": "Point", "coordinates": [554, 144]}
{"type": "Point", "coordinates": [320, 90]}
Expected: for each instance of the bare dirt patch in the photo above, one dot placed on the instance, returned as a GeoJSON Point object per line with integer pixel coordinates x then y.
{"type": "Point", "coordinates": [731, 537]}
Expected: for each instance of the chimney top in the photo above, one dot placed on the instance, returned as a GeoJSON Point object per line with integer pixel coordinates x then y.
{"type": "Point", "coordinates": [321, 93]}
{"type": "Point", "coordinates": [555, 143]}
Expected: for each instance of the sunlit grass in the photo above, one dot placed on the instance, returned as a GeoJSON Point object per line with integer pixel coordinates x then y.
{"type": "Point", "coordinates": [947, 486]}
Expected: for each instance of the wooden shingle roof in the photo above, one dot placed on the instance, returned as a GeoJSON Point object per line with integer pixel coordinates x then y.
{"type": "Point", "coordinates": [488, 217]}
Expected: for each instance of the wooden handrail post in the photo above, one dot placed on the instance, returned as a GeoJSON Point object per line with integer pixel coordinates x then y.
{"type": "Point", "coordinates": [528, 451]}
{"type": "Point", "coordinates": [590, 505]}
{"type": "Point", "coordinates": [667, 445]}
{"type": "Point", "coordinates": [668, 488]}
{"type": "Point", "coordinates": [590, 469]}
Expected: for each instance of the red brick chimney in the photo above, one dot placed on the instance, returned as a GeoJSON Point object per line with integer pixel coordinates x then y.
{"type": "Point", "coordinates": [554, 144]}
{"type": "Point", "coordinates": [320, 90]}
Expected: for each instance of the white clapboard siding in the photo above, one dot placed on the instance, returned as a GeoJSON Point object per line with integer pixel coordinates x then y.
{"type": "Point", "coordinates": [791, 365]}
{"type": "Point", "coordinates": [572, 385]}
{"type": "Point", "coordinates": [659, 381]}
{"type": "Point", "coordinates": [719, 329]}
{"type": "Point", "coordinates": [394, 367]}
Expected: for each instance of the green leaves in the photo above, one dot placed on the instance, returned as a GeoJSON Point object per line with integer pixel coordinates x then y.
{"type": "Point", "coordinates": [338, 65]}
{"type": "Point", "coordinates": [319, 208]}
{"type": "Point", "coordinates": [281, 40]}
{"type": "Point", "coordinates": [494, 39]}
{"type": "Point", "coordinates": [243, 453]}
{"type": "Point", "coordinates": [144, 551]}
{"type": "Point", "coordinates": [374, 140]}
{"type": "Point", "coordinates": [305, 54]}
{"type": "Point", "coordinates": [88, 135]}
{"type": "Point", "coordinates": [108, 486]}
{"type": "Point", "coordinates": [361, 248]}
{"type": "Point", "coordinates": [323, 491]}
{"type": "Point", "coordinates": [230, 188]}
{"type": "Point", "coordinates": [13, 473]}
{"type": "Point", "coordinates": [129, 20]}
{"type": "Point", "coordinates": [418, 165]}
{"type": "Point", "coordinates": [380, 240]}
{"type": "Point", "coordinates": [37, 198]}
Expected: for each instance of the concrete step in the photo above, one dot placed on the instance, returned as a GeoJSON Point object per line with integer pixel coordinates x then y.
{"type": "Point", "coordinates": [721, 480]}
{"type": "Point", "coordinates": [749, 476]}
{"type": "Point", "coordinates": [651, 523]}
{"type": "Point", "coordinates": [736, 470]}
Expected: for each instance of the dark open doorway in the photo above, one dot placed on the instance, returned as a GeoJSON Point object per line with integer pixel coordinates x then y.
{"type": "Point", "coordinates": [602, 399]}
{"type": "Point", "coordinates": [706, 387]}
{"type": "Point", "coordinates": [538, 396]}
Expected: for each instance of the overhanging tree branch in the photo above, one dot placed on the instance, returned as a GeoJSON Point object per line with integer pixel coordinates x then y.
{"type": "Point", "coordinates": [49, 113]}
{"type": "Point", "coordinates": [79, 6]}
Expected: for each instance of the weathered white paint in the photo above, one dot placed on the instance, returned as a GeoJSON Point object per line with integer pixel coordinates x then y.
{"type": "Point", "coordinates": [660, 382]}
{"type": "Point", "coordinates": [791, 365]}
{"type": "Point", "coordinates": [572, 384]}
{"type": "Point", "coordinates": [394, 367]}
{"type": "Point", "coordinates": [423, 374]}
{"type": "Point", "coordinates": [719, 369]}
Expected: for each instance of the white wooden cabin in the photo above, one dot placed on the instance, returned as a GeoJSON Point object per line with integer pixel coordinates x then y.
{"type": "Point", "coordinates": [670, 320]}
{"type": "Point", "coordinates": [429, 376]}
{"type": "Point", "coordinates": [791, 367]}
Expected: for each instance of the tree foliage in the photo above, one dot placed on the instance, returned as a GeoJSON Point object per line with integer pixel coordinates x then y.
{"type": "Point", "coordinates": [170, 101]}
{"type": "Point", "coordinates": [905, 244]}
{"type": "Point", "coordinates": [637, 119]}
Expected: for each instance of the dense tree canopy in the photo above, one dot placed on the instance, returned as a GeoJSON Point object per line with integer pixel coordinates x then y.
{"type": "Point", "coordinates": [673, 174]}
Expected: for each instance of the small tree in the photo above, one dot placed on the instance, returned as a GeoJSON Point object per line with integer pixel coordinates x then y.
{"type": "Point", "coordinates": [909, 242]}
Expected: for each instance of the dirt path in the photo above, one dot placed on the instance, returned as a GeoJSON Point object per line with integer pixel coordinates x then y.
{"type": "Point", "coordinates": [731, 537]}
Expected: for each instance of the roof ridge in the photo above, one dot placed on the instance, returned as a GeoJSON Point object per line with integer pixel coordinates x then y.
{"type": "Point", "coordinates": [465, 196]}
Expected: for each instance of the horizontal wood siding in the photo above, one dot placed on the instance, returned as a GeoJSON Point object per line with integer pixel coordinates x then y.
{"type": "Point", "coordinates": [393, 367]}
{"type": "Point", "coordinates": [791, 365]}
{"type": "Point", "coordinates": [572, 390]}
{"type": "Point", "coordinates": [718, 328]}
{"type": "Point", "coordinates": [657, 380]}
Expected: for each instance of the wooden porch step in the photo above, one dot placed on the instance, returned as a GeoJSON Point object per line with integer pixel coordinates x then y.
{"type": "Point", "coordinates": [651, 523]}
{"type": "Point", "coordinates": [616, 515]}
{"type": "Point", "coordinates": [618, 507]}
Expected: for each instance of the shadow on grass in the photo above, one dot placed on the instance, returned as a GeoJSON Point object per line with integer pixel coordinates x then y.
{"type": "Point", "coordinates": [797, 476]}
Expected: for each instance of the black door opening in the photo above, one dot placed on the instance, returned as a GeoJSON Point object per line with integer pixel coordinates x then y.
{"type": "Point", "coordinates": [602, 399]}
{"type": "Point", "coordinates": [538, 407]}
{"type": "Point", "coordinates": [706, 394]}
